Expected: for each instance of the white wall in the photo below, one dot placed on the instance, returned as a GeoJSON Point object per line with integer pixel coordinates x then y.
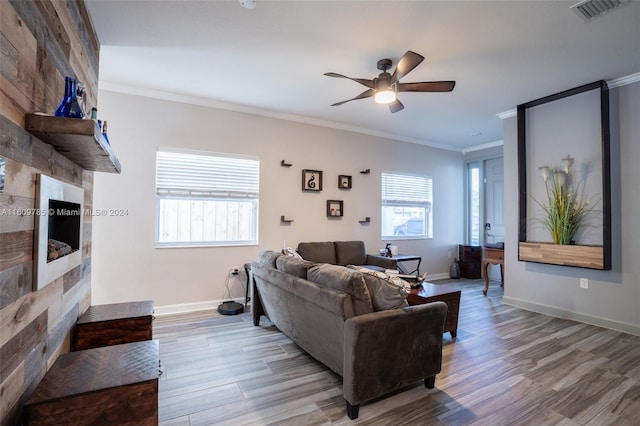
{"type": "Point", "coordinates": [613, 297]}
{"type": "Point", "coordinates": [125, 264]}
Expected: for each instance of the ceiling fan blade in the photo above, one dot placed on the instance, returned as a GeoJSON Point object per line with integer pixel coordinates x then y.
{"type": "Point", "coordinates": [396, 106]}
{"type": "Point", "coordinates": [408, 62]}
{"type": "Point", "coordinates": [365, 94]}
{"type": "Point", "coordinates": [427, 86]}
{"type": "Point", "coordinates": [363, 81]}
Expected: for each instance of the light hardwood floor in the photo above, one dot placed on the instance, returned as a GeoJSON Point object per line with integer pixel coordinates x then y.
{"type": "Point", "coordinates": [507, 366]}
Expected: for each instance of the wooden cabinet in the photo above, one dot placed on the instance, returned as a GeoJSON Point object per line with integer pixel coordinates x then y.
{"type": "Point", "coordinates": [79, 140]}
{"type": "Point", "coordinates": [113, 324]}
{"type": "Point", "coordinates": [111, 385]}
{"type": "Point", "coordinates": [470, 261]}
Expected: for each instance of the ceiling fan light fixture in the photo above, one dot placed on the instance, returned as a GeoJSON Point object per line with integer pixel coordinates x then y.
{"type": "Point", "coordinates": [385, 96]}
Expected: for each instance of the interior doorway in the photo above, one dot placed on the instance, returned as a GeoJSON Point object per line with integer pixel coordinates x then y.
{"type": "Point", "coordinates": [485, 205]}
{"type": "Point", "coordinates": [485, 202]}
{"type": "Point", "coordinates": [494, 201]}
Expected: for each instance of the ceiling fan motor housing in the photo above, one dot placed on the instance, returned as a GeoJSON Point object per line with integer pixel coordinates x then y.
{"type": "Point", "coordinates": [384, 64]}
{"type": "Point", "coordinates": [382, 82]}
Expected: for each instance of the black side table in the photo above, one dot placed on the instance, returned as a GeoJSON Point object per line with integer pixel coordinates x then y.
{"type": "Point", "coordinates": [405, 258]}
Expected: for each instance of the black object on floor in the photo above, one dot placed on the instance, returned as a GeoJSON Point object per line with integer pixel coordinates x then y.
{"type": "Point", "coordinates": [230, 308]}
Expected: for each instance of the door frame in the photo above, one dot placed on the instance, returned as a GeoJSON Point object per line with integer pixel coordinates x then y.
{"type": "Point", "coordinates": [477, 157]}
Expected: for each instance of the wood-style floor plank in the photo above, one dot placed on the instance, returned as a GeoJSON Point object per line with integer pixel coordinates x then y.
{"type": "Point", "coordinates": [506, 367]}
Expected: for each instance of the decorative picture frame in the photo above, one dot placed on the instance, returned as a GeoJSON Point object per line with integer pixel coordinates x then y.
{"type": "Point", "coordinates": [335, 208]}
{"type": "Point", "coordinates": [312, 180]}
{"type": "Point", "coordinates": [530, 247]}
{"type": "Point", "coordinates": [344, 182]}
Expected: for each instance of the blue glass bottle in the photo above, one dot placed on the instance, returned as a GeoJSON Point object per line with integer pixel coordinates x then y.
{"type": "Point", "coordinates": [69, 107]}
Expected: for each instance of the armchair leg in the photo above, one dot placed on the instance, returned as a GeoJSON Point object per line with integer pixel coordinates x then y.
{"type": "Point", "coordinates": [352, 410]}
{"type": "Point", "coordinates": [430, 382]}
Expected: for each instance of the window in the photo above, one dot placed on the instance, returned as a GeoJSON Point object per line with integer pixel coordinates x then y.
{"type": "Point", "coordinates": [406, 206]}
{"type": "Point", "coordinates": [473, 174]}
{"type": "Point", "coordinates": [206, 199]}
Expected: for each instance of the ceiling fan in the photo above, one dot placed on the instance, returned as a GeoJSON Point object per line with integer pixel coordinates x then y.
{"type": "Point", "coordinates": [385, 87]}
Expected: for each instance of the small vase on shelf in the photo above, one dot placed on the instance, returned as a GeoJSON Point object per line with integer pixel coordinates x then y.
{"type": "Point", "coordinates": [69, 106]}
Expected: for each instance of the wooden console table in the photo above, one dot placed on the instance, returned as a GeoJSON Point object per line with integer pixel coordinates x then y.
{"type": "Point", "coordinates": [492, 256]}
{"type": "Point", "coordinates": [113, 324]}
{"type": "Point", "coordinates": [103, 386]}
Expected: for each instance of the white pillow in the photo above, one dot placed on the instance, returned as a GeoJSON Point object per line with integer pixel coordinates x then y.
{"type": "Point", "coordinates": [291, 252]}
{"type": "Point", "coordinates": [386, 292]}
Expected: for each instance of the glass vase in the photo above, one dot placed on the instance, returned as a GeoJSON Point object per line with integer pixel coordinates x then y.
{"type": "Point", "coordinates": [69, 106]}
{"type": "Point", "coordinates": [454, 270]}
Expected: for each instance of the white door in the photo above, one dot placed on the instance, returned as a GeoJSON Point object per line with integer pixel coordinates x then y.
{"type": "Point", "coordinates": [494, 199]}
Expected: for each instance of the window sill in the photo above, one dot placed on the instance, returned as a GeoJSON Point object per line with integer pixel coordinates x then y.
{"type": "Point", "coordinates": [203, 245]}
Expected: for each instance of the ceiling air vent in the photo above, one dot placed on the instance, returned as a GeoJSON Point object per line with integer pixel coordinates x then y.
{"type": "Point", "coordinates": [591, 9]}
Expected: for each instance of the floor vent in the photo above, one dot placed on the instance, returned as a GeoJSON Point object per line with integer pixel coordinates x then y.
{"type": "Point", "coordinates": [591, 9]}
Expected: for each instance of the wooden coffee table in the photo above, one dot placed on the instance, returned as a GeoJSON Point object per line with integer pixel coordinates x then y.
{"type": "Point", "coordinates": [439, 293]}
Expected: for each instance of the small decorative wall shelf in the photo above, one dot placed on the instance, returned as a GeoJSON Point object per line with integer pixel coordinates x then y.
{"type": "Point", "coordinates": [285, 164]}
{"type": "Point", "coordinates": [365, 220]}
{"type": "Point", "coordinates": [335, 208]}
{"type": "Point", "coordinates": [365, 172]}
{"type": "Point", "coordinates": [344, 182]}
{"type": "Point", "coordinates": [283, 219]}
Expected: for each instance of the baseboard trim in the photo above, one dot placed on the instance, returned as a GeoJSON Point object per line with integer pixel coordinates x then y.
{"type": "Point", "coordinates": [435, 277]}
{"type": "Point", "coordinates": [185, 308]}
{"type": "Point", "coordinates": [575, 316]}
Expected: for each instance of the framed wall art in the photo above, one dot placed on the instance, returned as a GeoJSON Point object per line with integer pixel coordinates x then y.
{"type": "Point", "coordinates": [312, 180]}
{"type": "Point", "coordinates": [335, 208]}
{"type": "Point", "coordinates": [344, 182]}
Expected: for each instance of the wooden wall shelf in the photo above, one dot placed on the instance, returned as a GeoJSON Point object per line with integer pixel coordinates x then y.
{"type": "Point", "coordinates": [567, 255]}
{"type": "Point", "coordinates": [79, 140]}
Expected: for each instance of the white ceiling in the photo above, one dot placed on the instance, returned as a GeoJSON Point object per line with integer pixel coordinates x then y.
{"type": "Point", "coordinates": [271, 59]}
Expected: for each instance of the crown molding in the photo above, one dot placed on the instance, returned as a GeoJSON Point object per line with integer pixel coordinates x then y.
{"type": "Point", "coordinates": [246, 109]}
{"type": "Point", "coordinates": [616, 82]}
{"type": "Point", "coordinates": [623, 81]}
{"type": "Point", "coordinates": [507, 114]}
{"type": "Point", "coordinates": [483, 146]}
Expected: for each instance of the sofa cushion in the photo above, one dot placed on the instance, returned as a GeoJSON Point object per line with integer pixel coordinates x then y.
{"type": "Point", "coordinates": [268, 257]}
{"type": "Point", "coordinates": [345, 280]}
{"type": "Point", "coordinates": [320, 252]}
{"type": "Point", "coordinates": [294, 266]}
{"type": "Point", "coordinates": [350, 253]}
{"type": "Point", "coordinates": [386, 292]}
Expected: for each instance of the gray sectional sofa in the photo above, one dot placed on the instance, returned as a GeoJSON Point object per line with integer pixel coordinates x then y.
{"type": "Point", "coordinates": [344, 253]}
{"type": "Point", "coordinates": [328, 311]}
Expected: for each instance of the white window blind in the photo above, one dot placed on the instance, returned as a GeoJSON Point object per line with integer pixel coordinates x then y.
{"type": "Point", "coordinates": [206, 199]}
{"type": "Point", "coordinates": [403, 190]}
{"type": "Point", "coordinates": [182, 174]}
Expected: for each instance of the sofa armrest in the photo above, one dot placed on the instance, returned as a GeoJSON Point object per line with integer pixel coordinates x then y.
{"type": "Point", "coordinates": [382, 261]}
{"type": "Point", "coordinates": [387, 350]}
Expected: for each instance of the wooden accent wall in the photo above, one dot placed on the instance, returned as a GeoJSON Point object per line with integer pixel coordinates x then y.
{"type": "Point", "coordinates": [41, 42]}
